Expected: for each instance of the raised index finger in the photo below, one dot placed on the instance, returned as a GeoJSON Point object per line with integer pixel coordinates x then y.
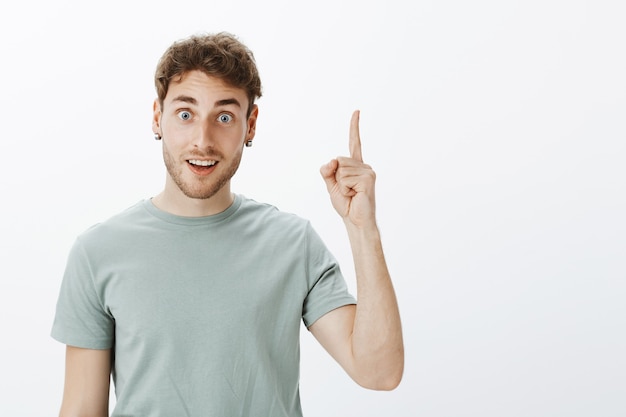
{"type": "Point", "coordinates": [355, 138]}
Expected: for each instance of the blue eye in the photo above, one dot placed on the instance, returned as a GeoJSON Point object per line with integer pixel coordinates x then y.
{"type": "Point", "coordinates": [225, 118]}
{"type": "Point", "coordinates": [184, 115]}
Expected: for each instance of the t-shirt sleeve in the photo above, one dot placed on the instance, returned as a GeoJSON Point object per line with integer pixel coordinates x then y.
{"type": "Point", "coordinates": [81, 319]}
{"type": "Point", "coordinates": [327, 286]}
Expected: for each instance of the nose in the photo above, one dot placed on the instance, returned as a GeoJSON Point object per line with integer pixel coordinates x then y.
{"type": "Point", "coordinates": [203, 138]}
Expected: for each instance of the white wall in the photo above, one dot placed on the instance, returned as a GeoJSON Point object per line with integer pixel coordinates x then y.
{"type": "Point", "coordinates": [497, 130]}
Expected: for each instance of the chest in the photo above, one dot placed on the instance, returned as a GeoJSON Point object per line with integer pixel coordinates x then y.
{"type": "Point", "coordinates": [199, 287]}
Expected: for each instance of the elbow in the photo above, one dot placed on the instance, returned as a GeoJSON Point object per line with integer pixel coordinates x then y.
{"type": "Point", "coordinates": [390, 383]}
{"type": "Point", "coordinates": [387, 383]}
{"type": "Point", "coordinates": [381, 369]}
{"type": "Point", "coordinates": [383, 380]}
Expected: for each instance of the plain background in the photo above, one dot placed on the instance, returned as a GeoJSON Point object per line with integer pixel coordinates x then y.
{"type": "Point", "coordinates": [496, 128]}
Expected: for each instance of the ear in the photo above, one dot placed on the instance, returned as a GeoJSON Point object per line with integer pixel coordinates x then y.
{"type": "Point", "coordinates": [252, 123]}
{"type": "Point", "coordinates": [156, 117]}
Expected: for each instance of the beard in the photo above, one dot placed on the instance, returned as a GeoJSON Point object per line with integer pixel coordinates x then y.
{"type": "Point", "coordinates": [204, 187]}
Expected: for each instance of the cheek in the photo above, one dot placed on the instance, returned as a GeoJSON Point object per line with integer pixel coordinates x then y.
{"type": "Point", "coordinates": [235, 136]}
{"type": "Point", "coordinates": [179, 134]}
{"type": "Point", "coordinates": [177, 126]}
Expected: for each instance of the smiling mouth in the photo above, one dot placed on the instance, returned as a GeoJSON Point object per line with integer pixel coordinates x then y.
{"type": "Point", "coordinates": [202, 167]}
{"type": "Point", "coordinates": [201, 163]}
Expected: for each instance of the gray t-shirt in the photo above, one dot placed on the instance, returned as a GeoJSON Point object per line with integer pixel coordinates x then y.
{"type": "Point", "coordinates": [203, 314]}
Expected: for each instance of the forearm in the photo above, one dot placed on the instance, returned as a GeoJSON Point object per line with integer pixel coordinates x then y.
{"type": "Point", "coordinates": [377, 345]}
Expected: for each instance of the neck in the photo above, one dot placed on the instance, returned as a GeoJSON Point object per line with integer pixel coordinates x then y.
{"type": "Point", "coordinates": [177, 203]}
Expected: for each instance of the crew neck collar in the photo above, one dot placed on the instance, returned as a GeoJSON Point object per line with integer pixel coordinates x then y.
{"type": "Point", "coordinates": [191, 221]}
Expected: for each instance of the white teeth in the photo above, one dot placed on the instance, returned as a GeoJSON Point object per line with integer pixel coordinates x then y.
{"type": "Point", "coordinates": [201, 163]}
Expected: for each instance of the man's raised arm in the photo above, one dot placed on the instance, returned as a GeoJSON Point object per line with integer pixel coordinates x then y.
{"type": "Point", "coordinates": [365, 339]}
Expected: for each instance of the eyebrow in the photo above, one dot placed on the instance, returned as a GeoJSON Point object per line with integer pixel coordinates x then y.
{"type": "Point", "coordinates": [218, 103]}
{"type": "Point", "coordinates": [227, 101]}
{"type": "Point", "coordinates": [185, 99]}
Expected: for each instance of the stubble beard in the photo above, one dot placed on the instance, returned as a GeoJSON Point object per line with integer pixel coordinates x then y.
{"type": "Point", "coordinates": [200, 188]}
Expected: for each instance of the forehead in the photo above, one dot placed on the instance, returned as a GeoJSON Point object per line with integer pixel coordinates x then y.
{"type": "Point", "coordinates": [204, 89]}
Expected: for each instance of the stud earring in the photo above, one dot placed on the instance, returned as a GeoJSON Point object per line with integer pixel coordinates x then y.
{"type": "Point", "coordinates": [157, 136]}
{"type": "Point", "coordinates": [249, 143]}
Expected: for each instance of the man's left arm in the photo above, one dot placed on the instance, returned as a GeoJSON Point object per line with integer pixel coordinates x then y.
{"type": "Point", "coordinates": [366, 339]}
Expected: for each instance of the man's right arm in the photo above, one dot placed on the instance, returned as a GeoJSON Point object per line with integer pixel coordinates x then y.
{"type": "Point", "coordinates": [87, 380]}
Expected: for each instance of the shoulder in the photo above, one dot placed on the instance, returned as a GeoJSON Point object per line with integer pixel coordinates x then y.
{"type": "Point", "coordinates": [268, 212]}
{"type": "Point", "coordinates": [126, 221]}
{"type": "Point", "coordinates": [264, 218]}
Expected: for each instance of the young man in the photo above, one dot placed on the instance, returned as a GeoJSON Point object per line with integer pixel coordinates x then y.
{"type": "Point", "coordinates": [192, 300]}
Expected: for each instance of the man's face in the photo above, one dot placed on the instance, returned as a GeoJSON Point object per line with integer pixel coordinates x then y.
{"type": "Point", "coordinates": [203, 125]}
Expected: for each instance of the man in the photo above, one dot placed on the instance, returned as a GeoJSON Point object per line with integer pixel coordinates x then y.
{"type": "Point", "coordinates": [192, 300]}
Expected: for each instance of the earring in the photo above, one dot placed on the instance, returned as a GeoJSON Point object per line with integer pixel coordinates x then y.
{"type": "Point", "coordinates": [157, 136]}
{"type": "Point", "coordinates": [249, 143]}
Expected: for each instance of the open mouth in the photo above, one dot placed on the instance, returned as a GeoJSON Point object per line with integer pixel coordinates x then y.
{"type": "Point", "coordinates": [200, 163]}
{"type": "Point", "coordinates": [201, 166]}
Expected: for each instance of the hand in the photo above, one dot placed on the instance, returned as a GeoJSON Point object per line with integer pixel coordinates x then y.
{"type": "Point", "coordinates": [350, 182]}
